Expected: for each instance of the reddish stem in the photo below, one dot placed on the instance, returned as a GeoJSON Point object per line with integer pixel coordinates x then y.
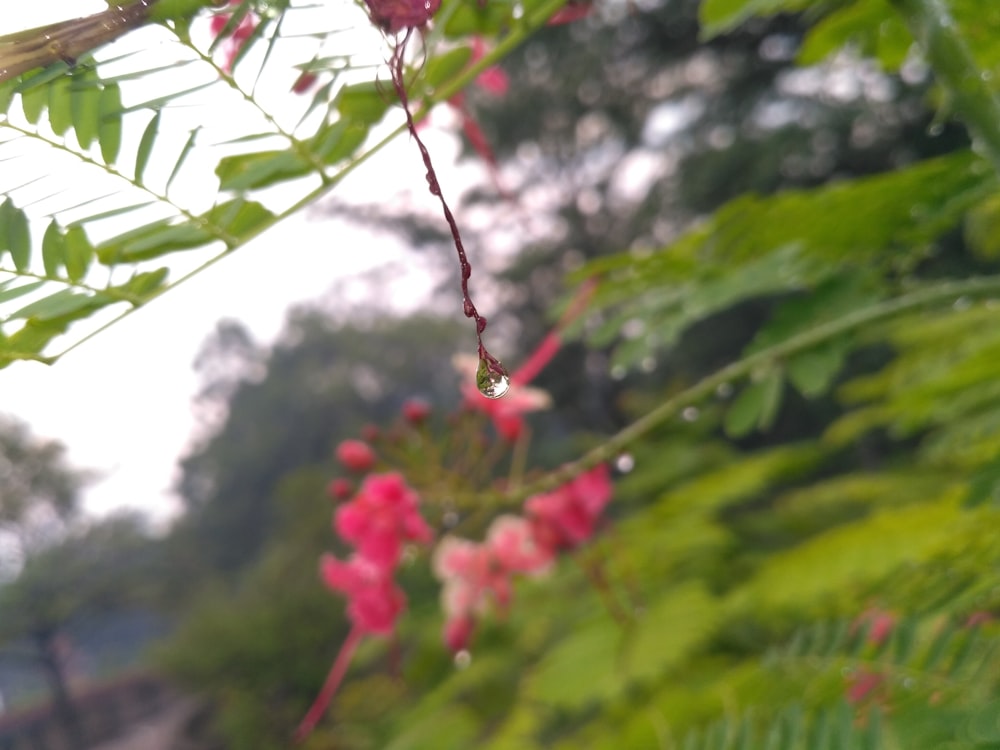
{"type": "Point", "coordinates": [333, 680]}
{"type": "Point", "coordinates": [396, 68]}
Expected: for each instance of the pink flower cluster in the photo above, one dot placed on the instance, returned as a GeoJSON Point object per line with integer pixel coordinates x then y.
{"type": "Point", "coordinates": [479, 576]}
{"type": "Point", "coordinates": [396, 15]}
{"type": "Point", "coordinates": [376, 522]}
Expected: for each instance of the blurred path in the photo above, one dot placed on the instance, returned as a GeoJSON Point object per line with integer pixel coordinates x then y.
{"type": "Point", "coordinates": [161, 731]}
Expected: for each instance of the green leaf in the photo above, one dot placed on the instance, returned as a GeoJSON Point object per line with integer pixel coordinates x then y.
{"type": "Point", "coordinates": [85, 105]}
{"type": "Point", "coordinates": [152, 241]}
{"type": "Point", "coordinates": [14, 227]}
{"type": "Point", "coordinates": [812, 371]}
{"type": "Point", "coordinates": [60, 112]}
{"type": "Point", "coordinates": [871, 27]}
{"type": "Point", "coordinates": [364, 102]}
{"type": "Point", "coordinates": [756, 406]}
{"type": "Point", "coordinates": [443, 68]}
{"type": "Point", "coordinates": [142, 286]}
{"type": "Point", "coordinates": [340, 141]}
{"type": "Point", "coordinates": [6, 94]}
{"type": "Point", "coordinates": [982, 228]}
{"type": "Point", "coordinates": [479, 19]}
{"type": "Point", "coordinates": [62, 303]}
{"type": "Point", "coordinates": [33, 102]}
{"type": "Point", "coordinates": [188, 145]}
{"type": "Point", "coordinates": [720, 16]}
{"type": "Point", "coordinates": [79, 253]}
{"type": "Point", "coordinates": [109, 133]}
{"type": "Point", "coordinates": [146, 145]}
{"type": "Point", "coordinates": [7, 295]}
{"type": "Point", "coordinates": [238, 217]}
{"type": "Point", "coordinates": [53, 250]}
{"type": "Point", "coordinates": [248, 171]}
{"type": "Point", "coordinates": [984, 485]}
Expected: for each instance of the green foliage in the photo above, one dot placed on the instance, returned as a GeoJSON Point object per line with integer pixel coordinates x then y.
{"type": "Point", "coordinates": [842, 473]}
{"type": "Point", "coordinates": [104, 100]}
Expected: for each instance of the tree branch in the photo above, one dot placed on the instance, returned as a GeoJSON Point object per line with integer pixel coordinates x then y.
{"type": "Point", "coordinates": [66, 41]}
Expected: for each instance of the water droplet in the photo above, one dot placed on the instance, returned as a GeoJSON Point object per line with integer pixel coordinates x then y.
{"type": "Point", "coordinates": [618, 372]}
{"type": "Point", "coordinates": [725, 390]}
{"type": "Point", "coordinates": [962, 303]}
{"type": "Point", "coordinates": [690, 414]}
{"type": "Point", "coordinates": [935, 129]}
{"type": "Point", "coordinates": [625, 463]}
{"type": "Point", "coordinates": [491, 379]}
{"type": "Point", "coordinates": [909, 683]}
{"type": "Point", "coordinates": [462, 659]}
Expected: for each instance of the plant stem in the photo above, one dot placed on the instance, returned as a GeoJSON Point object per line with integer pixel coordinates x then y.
{"type": "Point", "coordinates": [945, 292]}
{"type": "Point", "coordinates": [967, 84]}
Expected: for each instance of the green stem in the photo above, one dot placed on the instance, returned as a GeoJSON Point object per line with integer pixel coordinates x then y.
{"type": "Point", "coordinates": [931, 295]}
{"type": "Point", "coordinates": [968, 85]}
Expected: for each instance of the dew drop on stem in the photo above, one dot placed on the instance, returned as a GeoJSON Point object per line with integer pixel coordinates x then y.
{"type": "Point", "coordinates": [491, 379]}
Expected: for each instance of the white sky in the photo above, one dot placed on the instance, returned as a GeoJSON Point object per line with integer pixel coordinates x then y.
{"type": "Point", "coordinates": [121, 402]}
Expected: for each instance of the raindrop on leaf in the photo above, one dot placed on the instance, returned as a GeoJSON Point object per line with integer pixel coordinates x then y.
{"type": "Point", "coordinates": [462, 659]}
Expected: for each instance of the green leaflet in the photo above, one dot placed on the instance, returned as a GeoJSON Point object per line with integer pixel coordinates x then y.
{"type": "Point", "coordinates": [146, 145]}
{"type": "Point", "coordinates": [15, 237]}
{"type": "Point", "coordinates": [152, 241]}
{"type": "Point", "coordinates": [61, 304]}
{"type": "Point", "coordinates": [258, 170]}
{"type": "Point", "coordinates": [109, 132]}
{"type": "Point", "coordinates": [79, 253]}
{"type": "Point", "coordinates": [756, 406]}
{"type": "Point", "coordinates": [53, 250]}
{"type": "Point", "coordinates": [720, 16]}
{"type": "Point", "coordinates": [85, 107]}
{"type": "Point", "coordinates": [443, 68]}
{"type": "Point", "coordinates": [366, 103]}
{"type": "Point", "coordinates": [33, 102]}
{"type": "Point", "coordinates": [60, 104]}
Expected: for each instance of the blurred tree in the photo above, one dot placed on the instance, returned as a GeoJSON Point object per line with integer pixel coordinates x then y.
{"type": "Point", "coordinates": [284, 409]}
{"type": "Point", "coordinates": [39, 491]}
{"type": "Point", "coordinates": [92, 569]}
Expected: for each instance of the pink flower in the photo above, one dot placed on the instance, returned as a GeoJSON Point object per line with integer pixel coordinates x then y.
{"type": "Point", "coordinates": [567, 516]}
{"type": "Point", "coordinates": [511, 540]}
{"type": "Point", "coordinates": [415, 411]}
{"type": "Point", "coordinates": [493, 80]}
{"type": "Point", "coordinates": [355, 455]}
{"type": "Point", "coordinates": [395, 15]}
{"type": "Point", "coordinates": [304, 82]}
{"type": "Point", "coordinates": [339, 489]}
{"type": "Point", "coordinates": [879, 623]}
{"type": "Point", "coordinates": [476, 576]}
{"type": "Point", "coordinates": [864, 686]}
{"type": "Point", "coordinates": [382, 516]}
{"type": "Point", "coordinates": [458, 632]}
{"type": "Point", "coordinates": [239, 36]}
{"type": "Point", "coordinates": [374, 602]}
{"type": "Point", "coordinates": [573, 11]}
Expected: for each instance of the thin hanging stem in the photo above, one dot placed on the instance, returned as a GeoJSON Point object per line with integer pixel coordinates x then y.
{"type": "Point", "coordinates": [397, 71]}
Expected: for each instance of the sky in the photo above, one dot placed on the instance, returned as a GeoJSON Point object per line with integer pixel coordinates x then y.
{"type": "Point", "coordinates": [122, 401]}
